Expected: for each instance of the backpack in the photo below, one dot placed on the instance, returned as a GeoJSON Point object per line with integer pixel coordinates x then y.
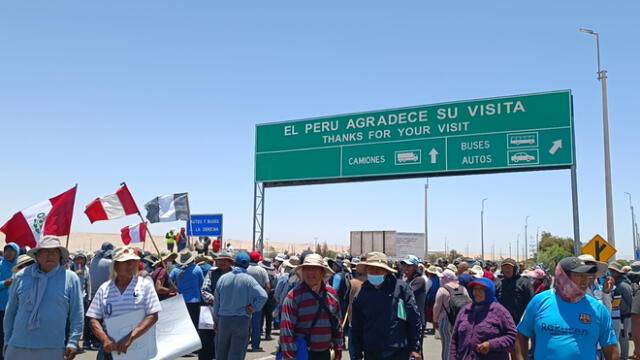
{"type": "Point", "coordinates": [345, 290]}
{"type": "Point", "coordinates": [457, 300]}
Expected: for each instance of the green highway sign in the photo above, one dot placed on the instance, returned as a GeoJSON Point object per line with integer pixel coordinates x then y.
{"type": "Point", "coordinates": [514, 133]}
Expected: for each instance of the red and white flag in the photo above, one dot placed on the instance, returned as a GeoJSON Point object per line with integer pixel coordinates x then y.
{"type": "Point", "coordinates": [112, 206]}
{"type": "Point", "coordinates": [134, 233]}
{"type": "Point", "coordinates": [50, 217]}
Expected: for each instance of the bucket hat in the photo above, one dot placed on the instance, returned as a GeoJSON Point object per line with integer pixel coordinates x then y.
{"type": "Point", "coordinates": [23, 260]}
{"type": "Point", "coordinates": [224, 255]}
{"type": "Point", "coordinates": [379, 260]}
{"type": "Point", "coordinates": [124, 253]}
{"type": "Point", "coordinates": [476, 271]}
{"type": "Point", "coordinates": [635, 268]}
{"type": "Point", "coordinates": [617, 267]}
{"type": "Point", "coordinates": [314, 260]}
{"type": "Point", "coordinates": [49, 242]}
{"type": "Point", "coordinates": [166, 256]}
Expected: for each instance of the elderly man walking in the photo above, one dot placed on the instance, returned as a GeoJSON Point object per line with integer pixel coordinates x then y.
{"type": "Point", "coordinates": [311, 316]}
{"type": "Point", "coordinates": [236, 296]}
{"type": "Point", "coordinates": [392, 337]}
{"type": "Point", "coordinates": [44, 315]}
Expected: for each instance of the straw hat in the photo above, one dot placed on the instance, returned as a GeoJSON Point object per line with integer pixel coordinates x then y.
{"type": "Point", "coordinates": [23, 260]}
{"type": "Point", "coordinates": [49, 242]}
{"type": "Point", "coordinates": [185, 257]}
{"type": "Point", "coordinates": [291, 262]}
{"type": "Point", "coordinates": [452, 268]}
{"type": "Point", "coordinates": [314, 260]}
{"type": "Point", "coordinates": [124, 253]}
{"type": "Point", "coordinates": [165, 256]}
{"type": "Point", "coordinates": [432, 270]}
{"type": "Point", "coordinates": [376, 259]}
{"type": "Point", "coordinates": [204, 259]}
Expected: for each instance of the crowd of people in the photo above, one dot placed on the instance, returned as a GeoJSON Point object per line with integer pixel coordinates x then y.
{"type": "Point", "coordinates": [54, 304]}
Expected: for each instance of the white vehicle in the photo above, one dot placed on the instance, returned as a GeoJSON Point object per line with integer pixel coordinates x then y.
{"type": "Point", "coordinates": [523, 140]}
{"type": "Point", "coordinates": [521, 156]}
{"type": "Point", "coordinates": [407, 156]}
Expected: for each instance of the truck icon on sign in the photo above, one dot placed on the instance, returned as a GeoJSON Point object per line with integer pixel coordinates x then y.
{"type": "Point", "coordinates": [406, 157]}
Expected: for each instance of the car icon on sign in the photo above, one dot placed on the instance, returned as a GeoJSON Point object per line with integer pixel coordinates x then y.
{"type": "Point", "coordinates": [522, 156]}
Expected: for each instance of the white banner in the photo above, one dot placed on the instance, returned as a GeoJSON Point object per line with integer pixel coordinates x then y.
{"type": "Point", "coordinates": [173, 335]}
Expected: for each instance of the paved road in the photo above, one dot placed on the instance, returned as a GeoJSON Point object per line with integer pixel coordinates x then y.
{"type": "Point", "coordinates": [431, 351]}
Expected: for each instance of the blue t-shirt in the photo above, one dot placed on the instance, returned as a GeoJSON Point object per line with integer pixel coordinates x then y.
{"type": "Point", "coordinates": [564, 330]}
{"type": "Point", "coordinates": [189, 282]}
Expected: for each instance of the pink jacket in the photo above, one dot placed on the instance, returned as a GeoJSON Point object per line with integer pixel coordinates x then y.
{"type": "Point", "coordinates": [442, 301]}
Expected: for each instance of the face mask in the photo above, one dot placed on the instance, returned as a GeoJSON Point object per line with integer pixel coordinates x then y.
{"type": "Point", "coordinates": [375, 280]}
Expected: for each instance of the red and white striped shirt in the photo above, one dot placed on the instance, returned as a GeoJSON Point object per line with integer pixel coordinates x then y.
{"type": "Point", "coordinates": [299, 309]}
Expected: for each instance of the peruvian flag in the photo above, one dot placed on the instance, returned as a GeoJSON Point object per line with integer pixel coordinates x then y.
{"type": "Point", "coordinates": [50, 217]}
{"type": "Point", "coordinates": [133, 233]}
{"type": "Point", "coordinates": [112, 206]}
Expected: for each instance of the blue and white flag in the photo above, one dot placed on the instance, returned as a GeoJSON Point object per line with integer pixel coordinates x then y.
{"type": "Point", "coordinates": [166, 208]}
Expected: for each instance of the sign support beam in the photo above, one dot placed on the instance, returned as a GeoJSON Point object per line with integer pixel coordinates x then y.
{"type": "Point", "coordinates": [576, 217]}
{"type": "Point", "coordinates": [258, 217]}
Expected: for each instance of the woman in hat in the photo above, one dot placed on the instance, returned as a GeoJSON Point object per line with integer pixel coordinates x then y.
{"type": "Point", "coordinates": [163, 285]}
{"type": "Point", "coordinates": [484, 329]}
{"type": "Point", "coordinates": [395, 336]}
{"type": "Point", "coordinates": [124, 293]}
{"type": "Point", "coordinates": [43, 318]}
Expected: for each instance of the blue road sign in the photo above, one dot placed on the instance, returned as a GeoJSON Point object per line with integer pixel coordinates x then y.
{"type": "Point", "coordinates": [637, 254]}
{"type": "Point", "coordinates": [205, 225]}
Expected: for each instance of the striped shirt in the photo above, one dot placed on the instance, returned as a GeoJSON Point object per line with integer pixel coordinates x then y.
{"type": "Point", "coordinates": [298, 312]}
{"type": "Point", "coordinates": [139, 294]}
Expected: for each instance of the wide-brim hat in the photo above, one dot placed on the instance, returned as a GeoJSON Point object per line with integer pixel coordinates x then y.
{"type": "Point", "coordinates": [224, 255]}
{"type": "Point", "coordinates": [166, 256]}
{"type": "Point", "coordinates": [186, 257]}
{"type": "Point", "coordinates": [267, 265]}
{"type": "Point", "coordinates": [635, 268]}
{"type": "Point", "coordinates": [432, 270]}
{"type": "Point", "coordinates": [452, 268]}
{"type": "Point", "coordinates": [476, 271]}
{"type": "Point", "coordinates": [23, 260]}
{"type": "Point", "coordinates": [314, 260]}
{"type": "Point", "coordinates": [49, 242]}
{"type": "Point", "coordinates": [588, 259]}
{"type": "Point", "coordinates": [124, 253]}
{"type": "Point", "coordinates": [204, 259]}
{"type": "Point", "coordinates": [291, 262]}
{"type": "Point", "coordinates": [377, 259]}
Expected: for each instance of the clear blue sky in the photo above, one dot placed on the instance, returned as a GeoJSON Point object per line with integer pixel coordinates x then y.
{"type": "Point", "coordinates": [165, 95]}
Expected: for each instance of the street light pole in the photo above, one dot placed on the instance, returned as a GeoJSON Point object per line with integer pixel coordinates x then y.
{"type": "Point", "coordinates": [426, 221]}
{"type": "Point", "coordinates": [537, 237]}
{"type": "Point", "coordinates": [602, 76]}
{"type": "Point", "coordinates": [633, 225]}
{"type": "Point", "coordinates": [526, 249]}
{"type": "Point", "coordinates": [482, 228]}
{"type": "Point", "coordinates": [518, 249]}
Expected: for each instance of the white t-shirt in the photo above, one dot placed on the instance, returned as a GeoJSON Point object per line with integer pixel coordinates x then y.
{"type": "Point", "coordinates": [139, 294]}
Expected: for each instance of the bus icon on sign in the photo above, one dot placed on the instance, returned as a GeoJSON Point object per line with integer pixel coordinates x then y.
{"type": "Point", "coordinates": [522, 140]}
{"type": "Point", "coordinates": [408, 157]}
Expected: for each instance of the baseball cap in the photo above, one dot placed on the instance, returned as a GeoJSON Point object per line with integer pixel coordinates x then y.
{"type": "Point", "coordinates": [411, 260]}
{"type": "Point", "coordinates": [573, 264]}
{"type": "Point", "coordinates": [242, 260]}
{"type": "Point", "coordinates": [255, 256]}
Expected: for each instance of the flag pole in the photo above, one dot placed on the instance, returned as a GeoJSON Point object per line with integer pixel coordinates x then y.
{"type": "Point", "coordinates": [190, 224]}
{"type": "Point", "coordinates": [74, 202]}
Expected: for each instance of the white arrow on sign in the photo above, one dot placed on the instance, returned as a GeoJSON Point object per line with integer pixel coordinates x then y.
{"type": "Point", "coordinates": [433, 154]}
{"type": "Point", "coordinates": [556, 145]}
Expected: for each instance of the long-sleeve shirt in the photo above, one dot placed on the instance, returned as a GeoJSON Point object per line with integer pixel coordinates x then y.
{"type": "Point", "coordinates": [235, 291]}
{"type": "Point", "coordinates": [189, 282]}
{"type": "Point", "coordinates": [441, 306]}
{"type": "Point", "coordinates": [493, 324]}
{"type": "Point", "coordinates": [6, 272]}
{"type": "Point", "coordinates": [385, 319]}
{"type": "Point", "coordinates": [209, 286]}
{"type": "Point", "coordinates": [61, 304]}
{"type": "Point", "coordinates": [299, 309]}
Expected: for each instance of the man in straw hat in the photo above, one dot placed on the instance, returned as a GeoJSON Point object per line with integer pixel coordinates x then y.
{"type": "Point", "coordinates": [394, 336]}
{"type": "Point", "coordinates": [311, 315]}
{"type": "Point", "coordinates": [126, 292]}
{"type": "Point", "coordinates": [189, 279]}
{"type": "Point", "coordinates": [236, 296]}
{"type": "Point", "coordinates": [224, 263]}
{"type": "Point", "coordinates": [44, 314]}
